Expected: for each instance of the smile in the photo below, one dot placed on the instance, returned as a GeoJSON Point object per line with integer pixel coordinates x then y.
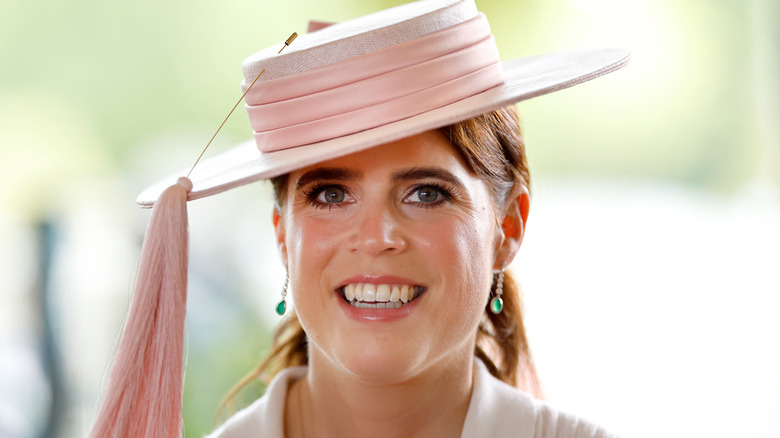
{"type": "Point", "coordinates": [380, 296]}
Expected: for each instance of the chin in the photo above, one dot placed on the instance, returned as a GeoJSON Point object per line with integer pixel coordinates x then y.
{"type": "Point", "coordinates": [379, 363]}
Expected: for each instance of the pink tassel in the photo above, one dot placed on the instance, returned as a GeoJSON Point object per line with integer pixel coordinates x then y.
{"type": "Point", "coordinates": [143, 395]}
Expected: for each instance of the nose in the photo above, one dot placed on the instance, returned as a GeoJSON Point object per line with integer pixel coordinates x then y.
{"type": "Point", "coordinates": [376, 232]}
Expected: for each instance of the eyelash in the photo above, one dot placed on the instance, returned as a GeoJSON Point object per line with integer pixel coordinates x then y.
{"type": "Point", "coordinates": [312, 192]}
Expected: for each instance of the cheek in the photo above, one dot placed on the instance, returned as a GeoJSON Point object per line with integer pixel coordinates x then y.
{"type": "Point", "coordinates": [463, 248]}
{"type": "Point", "coordinates": [477, 249]}
{"type": "Point", "coordinates": [464, 258]}
{"type": "Point", "coordinates": [310, 244]}
{"type": "Point", "coordinates": [308, 237]}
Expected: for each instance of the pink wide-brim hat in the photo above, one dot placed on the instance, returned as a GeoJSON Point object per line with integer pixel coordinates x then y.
{"type": "Point", "coordinates": [376, 79]}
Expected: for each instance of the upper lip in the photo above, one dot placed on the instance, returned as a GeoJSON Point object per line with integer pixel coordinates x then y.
{"type": "Point", "coordinates": [377, 279]}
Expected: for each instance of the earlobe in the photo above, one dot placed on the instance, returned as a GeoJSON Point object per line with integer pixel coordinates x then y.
{"type": "Point", "coordinates": [280, 231]}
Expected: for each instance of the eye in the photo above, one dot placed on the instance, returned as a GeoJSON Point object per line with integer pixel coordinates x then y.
{"type": "Point", "coordinates": [428, 195]}
{"type": "Point", "coordinates": [327, 196]}
{"type": "Point", "coordinates": [331, 195]}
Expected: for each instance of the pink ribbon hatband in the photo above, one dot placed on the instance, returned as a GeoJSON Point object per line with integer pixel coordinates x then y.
{"type": "Point", "coordinates": [374, 89]}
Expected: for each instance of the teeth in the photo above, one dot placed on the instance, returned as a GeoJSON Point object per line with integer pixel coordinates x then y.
{"type": "Point", "coordinates": [380, 296]}
{"type": "Point", "coordinates": [395, 295]}
{"type": "Point", "coordinates": [362, 305]}
{"type": "Point", "coordinates": [383, 292]}
{"type": "Point", "coordinates": [369, 293]}
{"type": "Point", "coordinates": [358, 292]}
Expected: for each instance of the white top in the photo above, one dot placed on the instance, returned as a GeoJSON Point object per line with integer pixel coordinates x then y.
{"type": "Point", "coordinates": [496, 410]}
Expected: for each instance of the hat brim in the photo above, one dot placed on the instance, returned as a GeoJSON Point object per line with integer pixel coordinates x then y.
{"type": "Point", "coordinates": [524, 78]}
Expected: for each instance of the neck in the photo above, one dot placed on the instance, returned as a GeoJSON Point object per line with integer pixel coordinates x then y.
{"type": "Point", "coordinates": [336, 403]}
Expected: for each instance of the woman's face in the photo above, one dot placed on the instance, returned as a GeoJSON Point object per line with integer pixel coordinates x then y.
{"type": "Point", "coordinates": [374, 229]}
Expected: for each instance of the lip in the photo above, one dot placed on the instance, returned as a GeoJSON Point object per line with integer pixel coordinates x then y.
{"type": "Point", "coordinates": [377, 315]}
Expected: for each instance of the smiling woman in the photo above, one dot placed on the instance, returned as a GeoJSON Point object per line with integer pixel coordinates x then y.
{"type": "Point", "coordinates": [379, 235]}
{"type": "Point", "coordinates": [402, 194]}
{"type": "Point", "coordinates": [400, 231]}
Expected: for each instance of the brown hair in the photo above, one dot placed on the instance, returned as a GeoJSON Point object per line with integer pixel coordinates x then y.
{"type": "Point", "coordinates": [492, 147]}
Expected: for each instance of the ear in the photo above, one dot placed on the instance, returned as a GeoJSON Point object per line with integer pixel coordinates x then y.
{"type": "Point", "coordinates": [513, 225]}
{"type": "Point", "coordinates": [281, 235]}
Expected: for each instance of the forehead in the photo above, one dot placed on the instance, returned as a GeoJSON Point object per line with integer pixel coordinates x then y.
{"type": "Point", "coordinates": [429, 149]}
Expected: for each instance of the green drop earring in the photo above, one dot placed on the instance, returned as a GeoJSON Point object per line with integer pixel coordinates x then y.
{"type": "Point", "coordinates": [281, 306]}
{"type": "Point", "coordinates": [497, 303]}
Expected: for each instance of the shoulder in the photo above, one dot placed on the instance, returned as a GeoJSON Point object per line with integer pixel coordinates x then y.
{"type": "Point", "coordinates": [499, 410]}
{"type": "Point", "coordinates": [266, 414]}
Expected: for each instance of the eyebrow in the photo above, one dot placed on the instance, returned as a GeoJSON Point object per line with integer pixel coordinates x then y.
{"type": "Point", "coordinates": [328, 173]}
{"type": "Point", "coordinates": [427, 172]}
{"type": "Point", "coordinates": [344, 174]}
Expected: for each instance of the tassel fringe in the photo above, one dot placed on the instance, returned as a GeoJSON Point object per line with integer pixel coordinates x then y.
{"type": "Point", "coordinates": [143, 394]}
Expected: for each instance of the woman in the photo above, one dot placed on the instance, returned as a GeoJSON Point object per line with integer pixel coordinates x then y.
{"type": "Point", "coordinates": [442, 212]}
{"type": "Point", "coordinates": [402, 195]}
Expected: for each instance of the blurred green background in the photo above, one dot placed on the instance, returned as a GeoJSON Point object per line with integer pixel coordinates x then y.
{"type": "Point", "coordinates": [99, 98]}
